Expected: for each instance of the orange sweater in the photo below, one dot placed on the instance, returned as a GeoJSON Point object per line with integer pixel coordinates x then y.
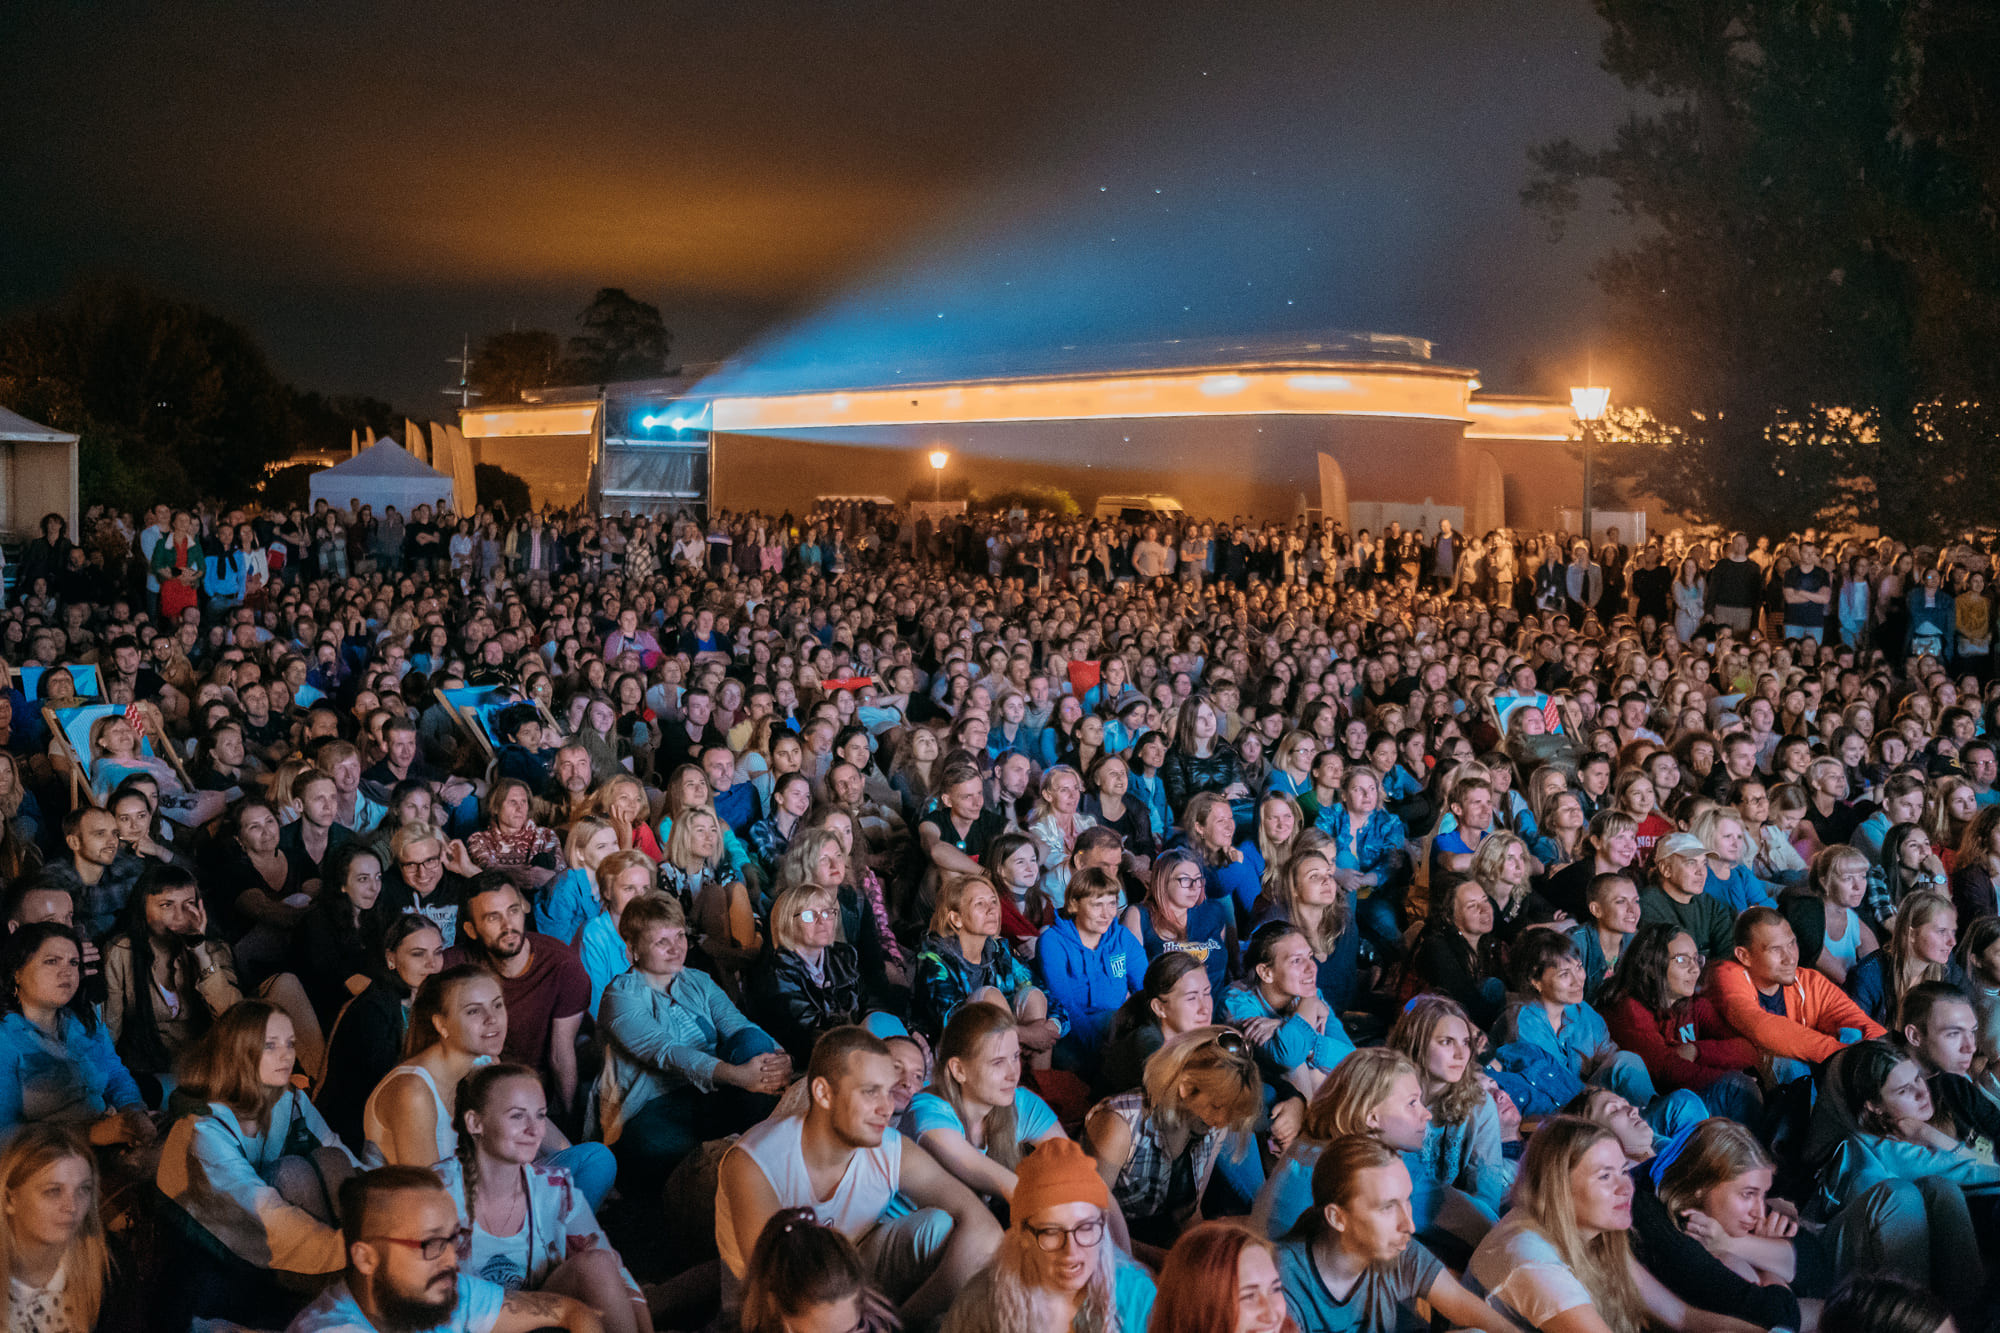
{"type": "Point", "coordinates": [1815, 1012]}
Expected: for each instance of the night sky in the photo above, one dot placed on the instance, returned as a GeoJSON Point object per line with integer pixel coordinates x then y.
{"type": "Point", "coordinates": [825, 180]}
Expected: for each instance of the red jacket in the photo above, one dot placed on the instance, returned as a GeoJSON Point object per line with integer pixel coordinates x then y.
{"type": "Point", "coordinates": [1654, 1039]}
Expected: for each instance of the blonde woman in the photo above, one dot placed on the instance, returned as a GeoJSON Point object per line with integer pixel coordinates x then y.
{"type": "Point", "coordinates": [1502, 867]}
{"type": "Point", "coordinates": [1055, 1270]}
{"type": "Point", "coordinates": [1839, 878]}
{"type": "Point", "coordinates": [1279, 827]}
{"type": "Point", "coordinates": [1375, 1091]}
{"type": "Point", "coordinates": [1562, 1260]}
{"type": "Point", "coordinates": [1055, 824]}
{"type": "Point", "coordinates": [716, 899]}
{"type": "Point", "coordinates": [1746, 1256]}
{"type": "Point", "coordinates": [52, 1258]}
{"type": "Point", "coordinates": [622, 801]}
{"type": "Point", "coordinates": [1156, 1146]}
{"type": "Point", "coordinates": [1920, 949]}
{"type": "Point", "coordinates": [809, 980]}
{"type": "Point", "coordinates": [571, 900]}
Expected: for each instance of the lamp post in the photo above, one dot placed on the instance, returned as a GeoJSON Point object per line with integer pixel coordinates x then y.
{"type": "Point", "coordinates": [938, 459]}
{"type": "Point", "coordinates": [1589, 404]}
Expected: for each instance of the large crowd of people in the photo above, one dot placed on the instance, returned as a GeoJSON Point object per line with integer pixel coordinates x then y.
{"type": "Point", "coordinates": [1003, 924]}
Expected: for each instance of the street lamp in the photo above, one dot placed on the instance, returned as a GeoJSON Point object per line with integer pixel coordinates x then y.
{"type": "Point", "coordinates": [1589, 404]}
{"type": "Point", "coordinates": [938, 459]}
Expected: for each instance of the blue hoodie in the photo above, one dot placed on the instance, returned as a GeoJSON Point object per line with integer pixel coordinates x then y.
{"type": "Point", "coordinates": [1090, 983]}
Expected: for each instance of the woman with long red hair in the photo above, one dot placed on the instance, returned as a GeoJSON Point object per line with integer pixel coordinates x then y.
{"type": "Point", "coordinates": [1221, 1277]}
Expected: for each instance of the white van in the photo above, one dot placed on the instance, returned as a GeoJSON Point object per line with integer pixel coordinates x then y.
{"type": "Point", "coordinates": [1138, 508]}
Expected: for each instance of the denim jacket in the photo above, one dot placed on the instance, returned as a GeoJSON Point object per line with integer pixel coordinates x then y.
{"type": "Point", "coordinates": [76, 1077]}
{"type": "Point", "coordinates": [1381, 838]}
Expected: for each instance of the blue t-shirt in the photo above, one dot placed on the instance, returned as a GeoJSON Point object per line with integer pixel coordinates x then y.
{"type": "Point", "coordinates": [336, 1311]}
{"type": "Point", "coordinates": [1033, 1120]}
{"type": "Point", "coordinates": [1132, 1291]}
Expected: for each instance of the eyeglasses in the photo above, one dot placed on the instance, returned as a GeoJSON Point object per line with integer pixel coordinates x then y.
{"type": "Point", "coordinates": [814, 915]}
{"type": "Point", "coordinates": [430, 1247]}
{"type": "Point", "coordinates": [1683, 959]}
{"type": "Point", "coordinates": [1188, 881]}
{"type": "Point", "coordinates": [429, 863]}
{"type": "Point", "coordinates": [1086, 1234]}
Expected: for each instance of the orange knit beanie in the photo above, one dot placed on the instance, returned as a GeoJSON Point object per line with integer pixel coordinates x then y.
{"type": "Point", "coordinates": [1057, 1172]}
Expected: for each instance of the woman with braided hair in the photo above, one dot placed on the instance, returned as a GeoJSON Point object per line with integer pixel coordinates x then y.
{"type": "Point", "coordinates": [526, 1225]}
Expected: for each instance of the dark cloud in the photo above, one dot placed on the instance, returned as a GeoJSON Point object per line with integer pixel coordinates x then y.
{"type": "Point", "coordinates": [362, 183]}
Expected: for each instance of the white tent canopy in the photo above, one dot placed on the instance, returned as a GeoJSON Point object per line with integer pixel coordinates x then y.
{"type": "Point", "coordinates": [381, 475]}
{"type": "Point", "coordinates": [37, 474]}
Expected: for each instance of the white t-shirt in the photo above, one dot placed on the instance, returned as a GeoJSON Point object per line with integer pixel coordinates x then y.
{"type": "Point", "coordinates": [1523, 1275]}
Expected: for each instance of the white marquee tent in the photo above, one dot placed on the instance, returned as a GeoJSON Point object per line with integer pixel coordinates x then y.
{"type": "Point", "coordinates": [381, 475]}
{"type": "Point", "coordinates": [37, 474]}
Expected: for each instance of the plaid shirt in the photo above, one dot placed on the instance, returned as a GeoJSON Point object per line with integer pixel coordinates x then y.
{"type": "Point", "coordinates": [1145, 1185]}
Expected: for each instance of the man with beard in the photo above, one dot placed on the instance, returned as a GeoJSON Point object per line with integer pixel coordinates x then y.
{"type": "Point", "coordinates": [98, 874]}
{"type": "Point", "coordinates": [401, 1231]}
{"type": "Point", "coordinates": [568, 789]}
{"type": "Point", "coordinates": [543, 982]}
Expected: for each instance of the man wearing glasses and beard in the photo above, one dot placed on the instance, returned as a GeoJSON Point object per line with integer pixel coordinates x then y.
{"type": "Point", "coordinates": [401, 1231]}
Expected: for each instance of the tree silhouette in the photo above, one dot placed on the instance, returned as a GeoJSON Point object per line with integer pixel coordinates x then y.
{"type": "Point", "coordinates": [622, 339]}
{"type": "Point", "coordinates": [1811, 312]}
{"type": "Point", "coordinates": [508, 363]}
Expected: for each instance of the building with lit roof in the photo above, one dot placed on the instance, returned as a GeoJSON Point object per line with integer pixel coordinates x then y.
{"type": "Point", "coordinates": [1365, 427]}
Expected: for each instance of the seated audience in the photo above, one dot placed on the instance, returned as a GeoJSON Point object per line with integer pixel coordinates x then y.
{"type": "Point", "coordinates": [55, 1263]}
{"type": "Point", "coordinates": [1653, 1009]}
{"type": "Point", "coordinates": [1919, 950]}
{"type": "Point", "coordinates": [1562, 1260]}
{"type": "Point", "coordinates": [622, 877]}
{"type": "Point", "coordinates": [57, 1061]}
{"type": "Point", "coordinates": [805, 1275]}
{"type": "Point", "coordinates": [1784, 1010]}
{"type": "Point", "coordinates": [254, 1168]}
{"type": "Point", "coordinates": [400, 1231]}
{"type": "Point", "coordinates": [1356, 1265]}
{"type": "Point", "coordinates": [964, 958]}
{"type": "Point", "coordinates": [1089, 962]}
{"type": "Point", "coordinates": [1298, 1038]}
{"type": "Point", "coordinates": [1157, 1145]}
{"type": "Point", "coordinates": [1173, 997]}
{"type": "Point", "coordinates": [1177, 915]}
